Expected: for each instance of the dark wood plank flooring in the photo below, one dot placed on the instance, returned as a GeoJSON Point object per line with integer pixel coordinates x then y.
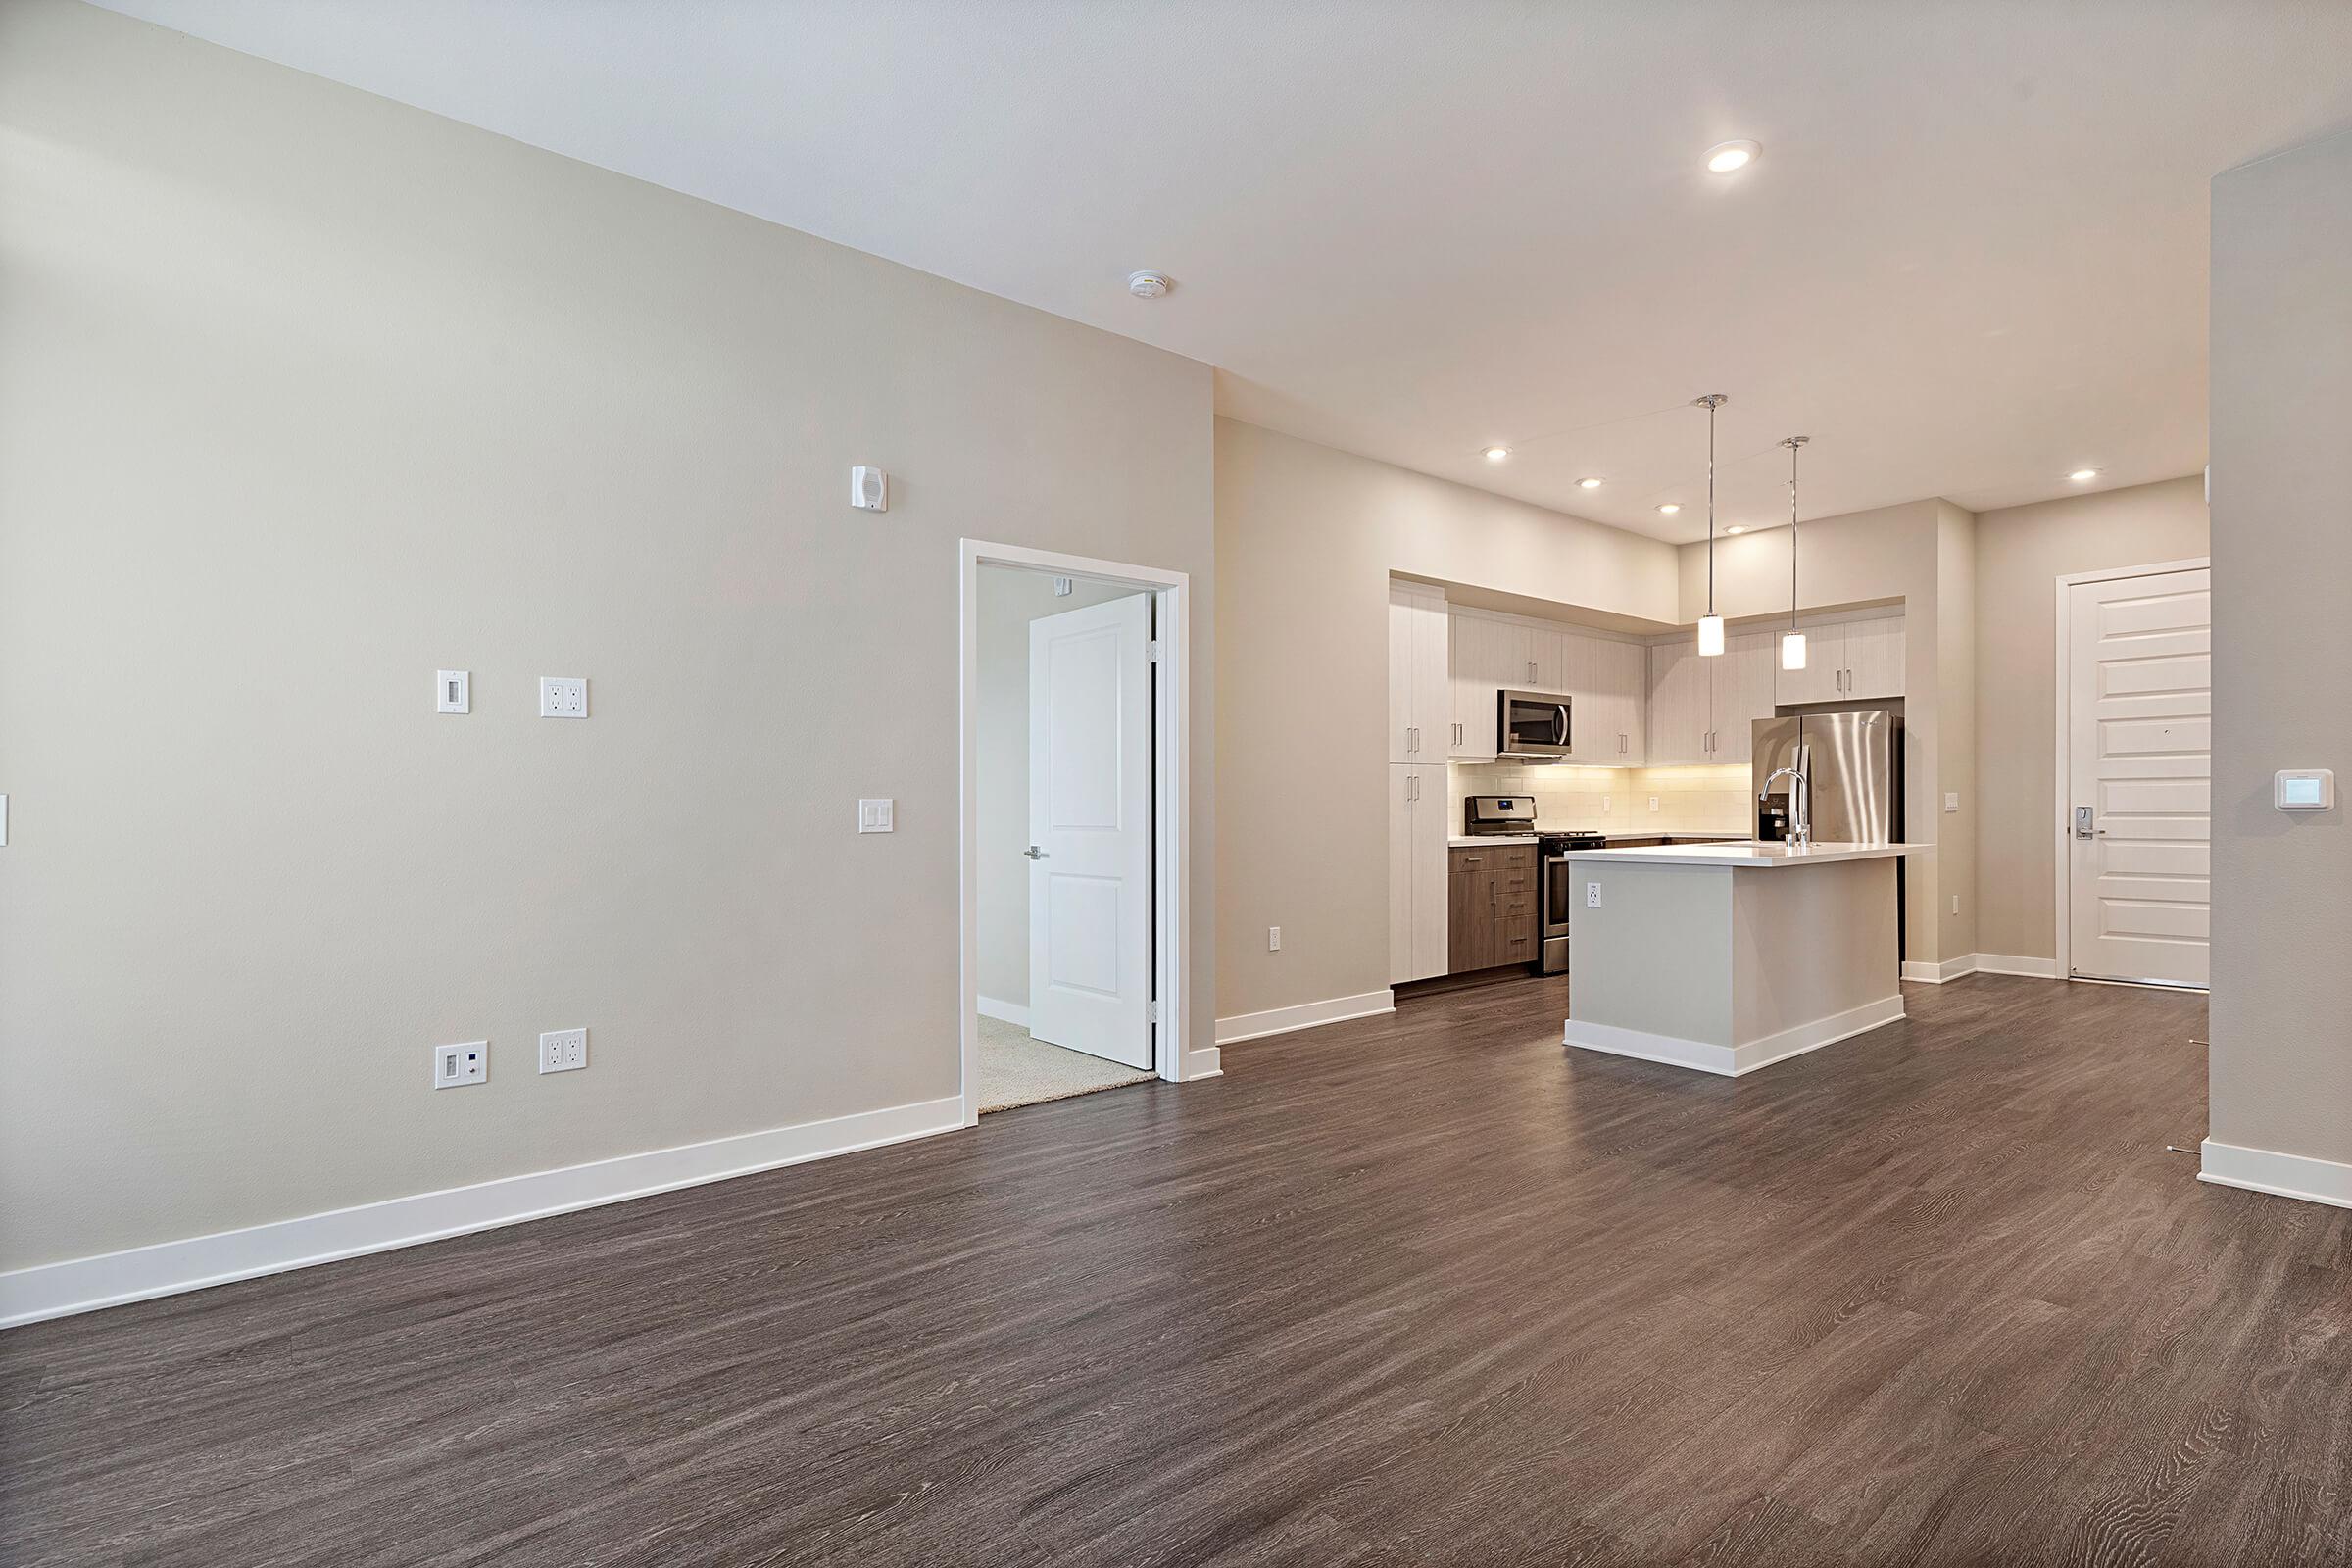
{"type": "Point", "coordinates": [1413, 1290]}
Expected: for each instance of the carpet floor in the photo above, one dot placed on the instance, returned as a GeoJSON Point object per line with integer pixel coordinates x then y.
{"type": "Point", "coordinates": [1018, 1070]}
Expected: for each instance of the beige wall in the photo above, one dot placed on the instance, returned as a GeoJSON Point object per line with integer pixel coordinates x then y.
{"type": "Point", "coordinates": [306, 394]}
{"type": "Point", "coordinates": [1307, 537]}
{"type": "Point", "coordinates": [2020, 554]}
{"type": "Point", "coordinates": [1010, 600]}
{"type": "Point", "coordinates": [1854, 558]}
{"type": "Point", "coordinates": [2281, 1024]}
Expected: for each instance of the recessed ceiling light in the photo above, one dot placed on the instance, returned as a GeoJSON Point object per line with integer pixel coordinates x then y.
{"type": "Point", "coordinates": [1587, 484]}
{"type": "Point", "coordinates": [1671, 507]}
{"type": "Point", "coordinates": [1498, 454]}
{"type": "Point", "coordinates": [1148, 285]}
{"type": "Point", "coordinates": [1726, 157]}
{"type": "Point", "coordinates": [2084, 476]}
{"type": "Point", "coordinates": [1740, 528]}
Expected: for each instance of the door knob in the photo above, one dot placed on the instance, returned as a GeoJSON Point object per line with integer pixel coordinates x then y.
{"type": "Point", "coordinates": [1034, 853]}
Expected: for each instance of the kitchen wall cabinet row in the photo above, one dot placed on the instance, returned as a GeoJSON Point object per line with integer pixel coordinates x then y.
{"type": "Point", "coordinates": [1605, 681]}
{"type": "Point", "coordinates": [1704, 709]}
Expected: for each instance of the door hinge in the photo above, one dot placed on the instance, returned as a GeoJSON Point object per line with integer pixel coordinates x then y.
{"type": "Point", "coordinates": [1152, 1011]}
{"type": "Point", "coordinates": [1153, 648]}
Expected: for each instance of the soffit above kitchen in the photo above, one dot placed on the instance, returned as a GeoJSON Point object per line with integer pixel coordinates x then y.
{"type": "Point", "coordinates": [1969, 259]}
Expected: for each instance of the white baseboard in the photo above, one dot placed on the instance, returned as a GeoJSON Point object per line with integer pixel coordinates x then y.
{"type": "Point", "coordinates": [2012, 963]}
{"type": "Point", "coordinates": [1012, 1012]}
{"type": "Point", "coordinates": [1205, 1062]}
{"type": "Point", "coordinates": [1306, 1015]}
{"type": "Point", "coordinates": [1732, 1061]}
{"type": "Point", "coordinates": [109, 1279]}
{"type": "Point", "coordinates": [1936, 974]}
{"type": "Point", "coordinates": [2266, 1170]}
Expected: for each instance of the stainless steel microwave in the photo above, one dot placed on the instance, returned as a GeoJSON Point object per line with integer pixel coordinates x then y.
{"type": "Point", "coordinates": [1531, 724]}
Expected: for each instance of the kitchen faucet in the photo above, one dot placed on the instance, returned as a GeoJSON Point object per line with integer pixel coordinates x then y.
{"type": "Point", "coordinates": [1801, 803]}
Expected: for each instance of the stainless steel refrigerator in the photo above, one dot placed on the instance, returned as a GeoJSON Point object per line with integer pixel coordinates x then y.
{"type": "Point", "coordinates": [1854, 765]}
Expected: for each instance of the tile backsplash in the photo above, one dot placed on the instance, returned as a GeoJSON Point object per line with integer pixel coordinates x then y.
{"type": "Point", "coordinates": [1614, 800]}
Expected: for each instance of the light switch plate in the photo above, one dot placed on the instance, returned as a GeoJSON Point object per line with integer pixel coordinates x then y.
{"type": "Point", "coordinates": [563, 1051]}
{"type": "Point", "coordinates": [3, 820]}
{"type": "Point", "coordinates": [874, 816]}
{"type": "Point", "coordinates": [1951, 801]}
{"type": "Point", "coordinates": [454, 1067]}
{"type": "Point", "coordinates": [563, 697]}
{"type": "Point", "coordinates": [452, 691]}
{"type": "Point", "coordinates": [2307, 789]}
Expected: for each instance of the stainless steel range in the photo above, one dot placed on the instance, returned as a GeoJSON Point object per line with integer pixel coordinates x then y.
{"type": "Point", "coordinates": [1515, 815]}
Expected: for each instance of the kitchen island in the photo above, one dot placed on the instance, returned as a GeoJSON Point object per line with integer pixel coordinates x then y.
{"type": "Point", "coordinates": [1727, 958]}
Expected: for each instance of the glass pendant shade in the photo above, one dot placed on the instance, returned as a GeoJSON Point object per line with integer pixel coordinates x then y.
{"type": "Point", "coordinates": [1710, 635]}
{"type": "Point", "coordinates": [1792, 649]}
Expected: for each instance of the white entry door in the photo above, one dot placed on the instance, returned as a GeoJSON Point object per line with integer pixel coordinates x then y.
{"type": "Point", "coordinates": [2139, 725]}
{"type": "Point", "coordinates": [1090, 829]}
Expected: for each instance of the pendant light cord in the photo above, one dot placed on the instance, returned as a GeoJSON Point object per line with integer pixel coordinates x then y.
{"type": "Point", "coordinates": [1793, 446]}
{"type": "Point", "coordinates": [1711, 404]}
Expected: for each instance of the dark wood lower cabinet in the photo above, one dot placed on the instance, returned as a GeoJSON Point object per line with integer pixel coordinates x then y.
{"type": "Point", "coordinates": [1492, 907]}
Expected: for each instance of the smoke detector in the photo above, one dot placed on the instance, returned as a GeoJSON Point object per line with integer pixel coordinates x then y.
{"type": "Point", "coordinates": [1148, 285]}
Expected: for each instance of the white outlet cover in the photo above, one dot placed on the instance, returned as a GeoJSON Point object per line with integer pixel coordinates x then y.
{"type": "Point", "coordinates": [1951, 801]}
{"type": "Point", "coordinates": [1591, 895]}
{"type": "Point", "coordinates": [455, 1066]}
{"type": "Point", "coordinates": [874, 816]}
{"type": "Point", "coordinates": [1654, 803]}
{"type": "Point", "coordinates": [563, 697]}
{"type": "Point", "coordinates": [563, 1051]}
{"type": "Point", "coordinates": [452, 691]}
{"type": "Point", "coordinates": [1273, 939]}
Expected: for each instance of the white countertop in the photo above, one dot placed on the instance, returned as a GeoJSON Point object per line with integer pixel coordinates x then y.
{"type": "Point", "coordinates": [1474, 840]}
{"type": "Point", "coordinates": [1748, 854]}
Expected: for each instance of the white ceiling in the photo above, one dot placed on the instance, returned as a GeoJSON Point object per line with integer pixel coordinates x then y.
{"type": "Point", "coordinates": [1972, 258]}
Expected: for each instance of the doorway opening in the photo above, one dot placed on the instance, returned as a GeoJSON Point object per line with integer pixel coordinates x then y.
{"type": "Point", "coordinates": [1073, 745]}
{"type": "Point", "coordinates": [2135, 762]}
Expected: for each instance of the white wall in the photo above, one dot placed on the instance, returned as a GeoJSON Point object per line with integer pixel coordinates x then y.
{"type": "Point", "coordinates": [2282, 1023]}
{"type": "Point", "coordinates": [1010, 600]}
{"type": "Point", "coordinates": [306, 394]}
{"type": "Point", "coordinates": [2020, 554]}
{"type": "Point", "coordinates": [1306, 538]}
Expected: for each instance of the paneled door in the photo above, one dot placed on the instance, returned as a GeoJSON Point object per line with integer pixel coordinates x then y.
{"type": "Point", "coordinates": [2140, 720]}
{"type": "Point", "coordinates": [1090, 829]}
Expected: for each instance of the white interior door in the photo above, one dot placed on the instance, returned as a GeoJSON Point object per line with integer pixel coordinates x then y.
{"type": "Point", "coordinates": [1090, 829]}
{"type": "Point", "coordinates": [2140, 707]}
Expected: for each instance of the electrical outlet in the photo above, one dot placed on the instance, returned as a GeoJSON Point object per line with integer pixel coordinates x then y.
{"type": "Point", "coordinates": [563, 1051]}
{"type": "Point", "coordinates": [452, 691]}
{"type": "Point", "coordinates": [562, 697]}
{"type": "Point", "coordinates": [1591, 895]}
{"type": "Point", "coordinates": [1604, 805]}
{"type": "Point", "coordinates": [454, 1067]}
{"type": "Point", "coordinates": [1951, 801]}
{"type": "Point", "coordinates": [1273, 939]}
{"type": "Point", "coordinates": [1654, 803]}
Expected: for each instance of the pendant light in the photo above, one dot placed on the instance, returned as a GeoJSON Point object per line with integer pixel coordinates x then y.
{"type": "Point", "coordinates": [1710, 624]}
{"type": "Point", "coordinates": [1792, 641]}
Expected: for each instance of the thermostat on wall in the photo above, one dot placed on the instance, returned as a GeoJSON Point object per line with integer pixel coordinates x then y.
{"type": "Point", "coordinates": [2309, 789]}
{"type": "Point", "coordinates": [869, 488]}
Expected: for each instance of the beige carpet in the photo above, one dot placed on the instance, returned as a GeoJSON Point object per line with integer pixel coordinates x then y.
{"type": "Point", "coordinates": [1016, 1069]}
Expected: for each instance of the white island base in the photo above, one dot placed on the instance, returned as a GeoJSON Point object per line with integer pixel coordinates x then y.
{"type": "Point", "coordinates": [1730, 956]}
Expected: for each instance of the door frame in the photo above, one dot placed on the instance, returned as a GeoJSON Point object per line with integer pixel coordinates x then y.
{"type": "Point", "coordinates": [2062, 700]}
{"type": "Point", "coordinates": [1171, 764]}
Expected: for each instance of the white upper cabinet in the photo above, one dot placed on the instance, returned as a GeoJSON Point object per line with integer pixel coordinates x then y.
{"type": "Point", "coordinates": [1608, 682]}
{"type": "Point", "coordinates": [1873, 657]}
{"type": "Point", "coordinates": [1490, 655]}
{"type": "Point", "coordinates": [1420, 698]}
{"type": "Point", "coordinates": [1681, 704]}
{"type": "Point", "coordinates": [1743, 694]}
{"type": "Point", "coordinates": [1846, 661]}
{"type": "Point", "coordinates": [1546, 661]}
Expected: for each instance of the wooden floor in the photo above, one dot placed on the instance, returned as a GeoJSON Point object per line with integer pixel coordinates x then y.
{"type": "Point", "coordinates": [1415, 1290]}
